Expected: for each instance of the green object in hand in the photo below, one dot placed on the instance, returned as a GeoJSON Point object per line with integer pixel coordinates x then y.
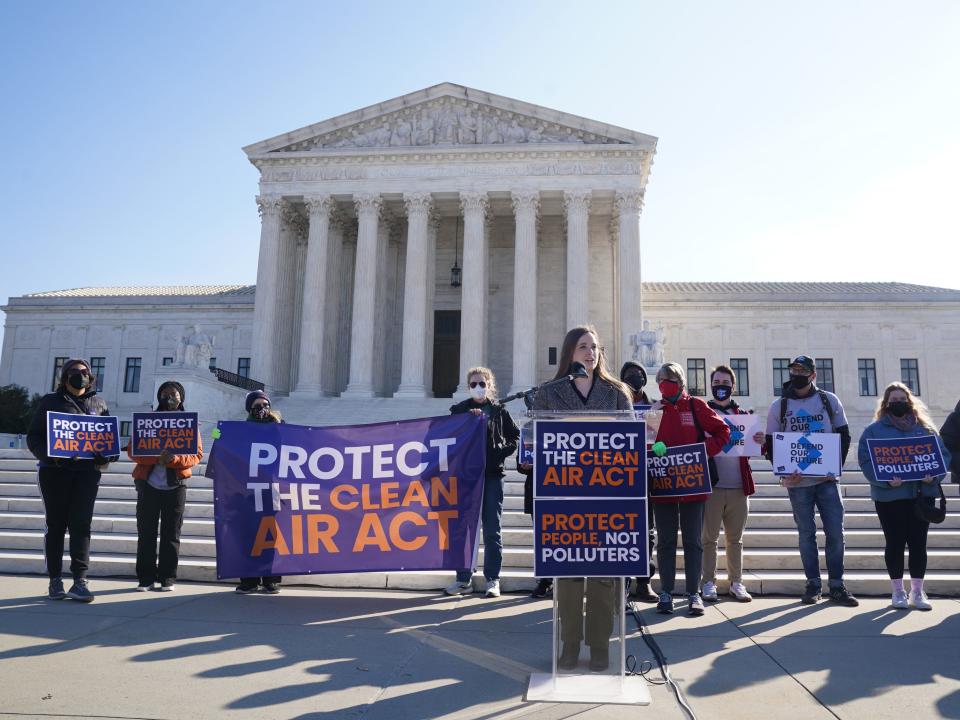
{"type": "Point", "coordinates": [216, 433]}
{"type": "Point", "coordinates": [659, 449]}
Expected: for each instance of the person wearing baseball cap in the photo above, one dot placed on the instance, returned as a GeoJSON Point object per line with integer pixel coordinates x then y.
{"type": "Point", "coordinates": [805, 408]}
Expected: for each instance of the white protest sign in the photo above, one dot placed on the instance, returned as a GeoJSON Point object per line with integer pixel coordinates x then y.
{"type": "Point", "coordinates": [814, 454]}
{"type": "Point", "coordinates": [742, 430]}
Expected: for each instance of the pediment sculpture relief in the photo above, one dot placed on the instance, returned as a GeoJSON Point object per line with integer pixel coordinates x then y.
{"type": "Point", "coordinates": [447, 122]}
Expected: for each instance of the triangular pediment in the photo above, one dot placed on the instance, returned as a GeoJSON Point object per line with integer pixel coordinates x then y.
{"type": "Point", "coordinates": [449, 115]}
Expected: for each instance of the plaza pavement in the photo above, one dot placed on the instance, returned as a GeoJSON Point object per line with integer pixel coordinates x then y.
{"type": "Point", "coordinates": [206, 652]}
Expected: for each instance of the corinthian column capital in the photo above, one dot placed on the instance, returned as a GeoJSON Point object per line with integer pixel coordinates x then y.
{"type": "Point", "coordinates": [525, 201]}
{"type": "Point", "coordinates": [418, 203]}
{"type": "Point", "coordinates": [628, 201]}
{"type": "Point", "coordinates": [474, 202]}
{"type": "Point", "coordinates": [318, 205]}
{"type": "Point", "coordinates": [269, 205]}
{"type": "Point", "coordinates": [368, 204]}
{"type": "Point", "coordinates": [577, 201]}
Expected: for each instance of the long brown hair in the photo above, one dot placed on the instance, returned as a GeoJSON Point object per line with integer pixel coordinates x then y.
{"type": "Point", "coordinates": [915, 403]}
{"type": "Point", "coordinates": [601, 371]}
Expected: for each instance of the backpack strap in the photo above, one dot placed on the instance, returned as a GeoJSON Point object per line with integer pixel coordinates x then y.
{"type": "Point", "coordinates": [783, 413]}
{"type": "Point", "coordinates": [827, 407]}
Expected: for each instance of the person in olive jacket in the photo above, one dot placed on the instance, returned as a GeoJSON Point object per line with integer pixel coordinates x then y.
{"type": "Point", "coordinates": [68, 486]}
{"type": "Point", "coordinates": [161, 484]}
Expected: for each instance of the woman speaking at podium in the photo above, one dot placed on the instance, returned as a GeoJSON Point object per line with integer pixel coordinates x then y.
{"type": "Point", "coordinates": [596, 390]}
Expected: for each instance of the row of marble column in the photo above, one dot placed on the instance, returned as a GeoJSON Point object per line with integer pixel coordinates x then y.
{"type": "Point", "coordinates": [274, 294]}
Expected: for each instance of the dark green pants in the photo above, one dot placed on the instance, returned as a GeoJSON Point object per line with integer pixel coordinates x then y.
{"type": "Point", "coordinates": [601, 601]}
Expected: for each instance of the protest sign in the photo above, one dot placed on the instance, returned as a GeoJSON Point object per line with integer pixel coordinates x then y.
{"type": "Point", "coordinates": [742, 430]}
{"type": "Point", "coordinates": [152, 433]}
{"type": "Point", "coordinates": [526, 445]}
{"type": "Point", "coordinates": [815, 454]}
{"type": "Point", "coordinates": [585, 458]}
{"type": "Point", "coordinates": [682, 470]}
{"type": "Point", "coordinates": [580, 537]}
{"type": "Point", "coordinates": [292, 500]}
{"type": "Point", "coordinates": [641, 409]}
{"type": "Point", "coordinates": [71, 435]}
{"type": "Point", "coordinates": [906, 458]}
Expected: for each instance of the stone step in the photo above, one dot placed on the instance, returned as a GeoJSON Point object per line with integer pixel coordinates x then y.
{"type": "Point", "coordinates": [100, 524]}
{"type": "Point", "coordinates": [29, 464]}
{"type": "Point", "coordinates": [102, 507]}
{"type": "Point", "coordinates": [26, 477]}
{"type": "Point", "coordinates": [771, 582]}
{"type": "Point", "coordinates": [106, 492]}
{"type": "Point", "coordinates": [204, 570]}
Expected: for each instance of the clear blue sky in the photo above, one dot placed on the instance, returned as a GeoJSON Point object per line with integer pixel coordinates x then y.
{"type": "Point", "coordinates": [821, 135]}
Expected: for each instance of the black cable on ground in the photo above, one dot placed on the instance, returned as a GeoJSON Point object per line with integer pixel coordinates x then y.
{"type": "Point", "coordinates": [645, 665]}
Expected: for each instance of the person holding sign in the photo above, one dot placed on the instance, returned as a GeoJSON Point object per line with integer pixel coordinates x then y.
{"type": "Point", "coordinates": [161, 499]}
{"type": "Point", "coordinates": [257, 404]}
{"type": "Point", "coordinates": [901, 415]}
{"type": "Point", "coordinates": [635, 378]}
{"type": "Point", "coordinates": [686, 420]}
{"type": "Point", "coordinates": [68, 485]}
{"type": "Point", "coordinates": [950, 434]}
{"type": "Point", "coordinates": [502, 437]}
{"type": "Point", "coordinates": [597, 390]}
{"type": "Point", "coordinates": [805, 408]}
{"type": "Point", "coordinates": [728, 504]}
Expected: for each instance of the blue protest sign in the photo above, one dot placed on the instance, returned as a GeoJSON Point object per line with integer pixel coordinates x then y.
{"type": "Point", "coordinates": [152, 433]}
{"type": "Point", "coordinates": [587, 458]}
{"type": "Point", "coordinates": [526, 446]}
{"type": "Point", "coordinates": [906, 458]}
{"type": "Point", "coordinates": [71, 435]}
{"type": "Point", "coordinates": [590, 538]}
{"type": "Point", "coordinates": [682, 470]}
{"type": "Point", "coordinates": [640, 410]}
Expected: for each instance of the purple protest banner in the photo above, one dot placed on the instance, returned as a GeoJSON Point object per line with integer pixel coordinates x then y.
{"type": "Point", "coordinates": [293, 500]}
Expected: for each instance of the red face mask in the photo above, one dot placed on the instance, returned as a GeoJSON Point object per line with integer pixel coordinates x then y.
{"type": "Point", "coordinates": [669, 389]}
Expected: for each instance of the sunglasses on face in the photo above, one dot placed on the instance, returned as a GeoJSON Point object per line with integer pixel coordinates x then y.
{"type": "Point", "coordinates": [261, 406]}
{"type": "Point", "coordinates": [481, 384]}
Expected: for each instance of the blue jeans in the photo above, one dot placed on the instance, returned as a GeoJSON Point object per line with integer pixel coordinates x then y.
{"type": "Point", "coordinates": [688, 519]}
{"type": "Point", "coordinates": [825, 497]}
{"type": "Point", "coordinates": [491, 514]}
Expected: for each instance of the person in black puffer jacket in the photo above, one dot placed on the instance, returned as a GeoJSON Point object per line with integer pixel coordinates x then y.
{"type": "Point", "coordinates": [502, 437]}
{"type": "Point", "coordinates": [258, 408]}
{"type": "Point", "coordinates": [68, 486]}
{"type": "Point", "coordinates": [950, 434]}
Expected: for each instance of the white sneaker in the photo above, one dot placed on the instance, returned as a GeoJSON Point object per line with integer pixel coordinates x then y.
{"type": "Point", "coordinates": [709, 592]}
{"type": "Point", "coordinates": [738, 591]}
{"type": "Point", "coordinates": [459, 588]}
{"type": "Point", "coordinates": [493, 588]}
{"type": "Point", "coordinates": [919, 601]}
{"type": "Point", "coordinates": [145, 588]}
{"type": "Point", "coordinates": [899, 600]}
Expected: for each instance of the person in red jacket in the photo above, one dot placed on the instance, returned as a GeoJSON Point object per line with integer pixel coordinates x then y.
{"type": "Point", "coordinates": [685, 420]}
{"type": "Point", "coordinates": [728, 504]}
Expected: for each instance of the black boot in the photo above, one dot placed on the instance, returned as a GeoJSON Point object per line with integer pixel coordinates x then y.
{"type": "Point", "coordinates": [599, 659]}
{"type": "Point", "coordinates": [642, 591]}
{"type": "Point", "coordinates": [569, 656]}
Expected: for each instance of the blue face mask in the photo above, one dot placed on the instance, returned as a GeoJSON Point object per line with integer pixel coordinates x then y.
{"type": "Point", "coordinates": [721, 392]}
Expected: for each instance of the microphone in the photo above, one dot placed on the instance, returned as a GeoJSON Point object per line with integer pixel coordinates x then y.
{"type": "Point", "coordinates": [576, 370]}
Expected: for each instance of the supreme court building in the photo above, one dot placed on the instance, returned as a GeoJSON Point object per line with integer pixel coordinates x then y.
{"type": "Point", "coordinates": [405, 242]}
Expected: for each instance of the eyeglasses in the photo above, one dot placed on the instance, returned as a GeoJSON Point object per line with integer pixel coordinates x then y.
{"type": "Point", "coordinates": [481, 384]}
{"type": "Point", "coordinates": [799, 371]}
{"type": "Point", "coordinates": [261, 406]}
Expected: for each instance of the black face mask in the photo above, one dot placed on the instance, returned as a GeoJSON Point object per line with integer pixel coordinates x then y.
{"type": "Point", "coordinates": [168, 402]}
{"type": "Point", "coordinates": [898, 408]}
{"type": "Point", "coordinates": [799, 382]}
{"type": "Point", "coordinates": [260, 413]}
{"type": "Point", "coordinates": [635, 381]}
{"type": "Point", "coordinates": [721, 392]}
{"type": "Point", "coordinates": [78, 381]}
